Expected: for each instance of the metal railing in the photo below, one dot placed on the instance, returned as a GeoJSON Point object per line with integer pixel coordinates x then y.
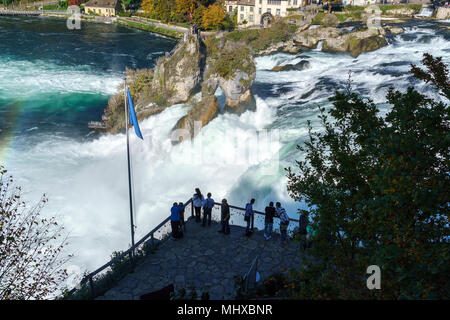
{"type": "Point", "coordinates": [250, 277]}
{"type": "Point", "coordinates": [157, 233]}
{"type": "Point", "coordinates": [236, 218]}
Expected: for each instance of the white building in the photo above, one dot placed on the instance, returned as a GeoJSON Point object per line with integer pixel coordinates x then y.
{"type": "Point", "coordinates": [255, 12]}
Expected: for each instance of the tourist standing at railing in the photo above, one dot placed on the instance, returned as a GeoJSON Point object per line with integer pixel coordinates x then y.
{"type": "Point", "coordinates": [182, 222]}
{"type": "Point", "coordinates": [268, 221]}
{"type": "Point", "coordinates": [303, 229]}
{"type": "Point", "coordinates": [175, 220]}
{"type": "Point", "coordinates": [284, 222]}
{"type": "Point", "coordinates": [225, 217]}
{"type": "Point", "coordinates": [207, 209]}
{"type": "Point", "coordinates": [249, 216]}
{"type": "Point", "coordinates": [198, 200]}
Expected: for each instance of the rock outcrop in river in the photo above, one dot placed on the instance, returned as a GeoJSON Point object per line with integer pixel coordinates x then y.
{"type": "Point", "coordinates": [443, 13]}
{"type": "Point", "coordinates": [338, 40]}
{"type": "Point", "coordinates": [191, 68]}
{"type": "Point", "coordinates": [176, 77]}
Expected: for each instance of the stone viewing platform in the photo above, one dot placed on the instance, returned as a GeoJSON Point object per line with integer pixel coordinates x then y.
{"type": "Point", "coordinates": [207, 260]}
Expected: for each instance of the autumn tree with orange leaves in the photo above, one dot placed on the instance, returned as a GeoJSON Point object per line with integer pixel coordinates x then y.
{"type": "Point", "coordinates": [213, 17]}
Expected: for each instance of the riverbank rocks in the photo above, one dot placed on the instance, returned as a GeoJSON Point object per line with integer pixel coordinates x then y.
{"type": "Point", "coordinates": [443, 13]}
{"type": "Point", "coordinates": [394, 30]}
{"type": "Point", "coordinates": [336, 40]}
{"type": "Point", "coordinates": [401, 12]}
{"type": "Point", "coordinates": [308, 39]}
{"type": "Point", "coordinates": [287, 46]}
{"type": "Point", "coordinates": [330, 20]}
{"type": "Point", "coordinates": [304, 64]}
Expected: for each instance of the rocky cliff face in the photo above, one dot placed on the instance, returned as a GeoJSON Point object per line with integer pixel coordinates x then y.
{"type": "Point", "coordinates": [199, 116]}
{"type": "Point", "coordinates": [176, 77]}
{"type": "Point", "coordinates": [191, 67]}
{"type": "Point", "coordinates": [230, 66]}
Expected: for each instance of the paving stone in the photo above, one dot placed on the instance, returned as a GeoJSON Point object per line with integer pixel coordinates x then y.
{"type": "Point", "coordinates": [179, 279]}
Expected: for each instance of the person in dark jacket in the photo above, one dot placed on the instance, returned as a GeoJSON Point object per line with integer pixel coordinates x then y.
{"type": "Point", "coordinates": [207, 209]}
{"type": "Point", "coordinates": [225, 217]}
{"type": "Point", "coordinates": [302, 229]}
{"type": "Point", "coordinates": [175, 220]}
{"type": "Point", "coordinates": [249, 216]}
{"type": "Point", "coordinates": [268, 221]}
{"type": "Point", "coordinates": [182, 222]}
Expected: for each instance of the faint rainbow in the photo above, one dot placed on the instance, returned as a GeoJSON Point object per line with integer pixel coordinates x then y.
{"type": "Point", "coordinates": [11, 117]}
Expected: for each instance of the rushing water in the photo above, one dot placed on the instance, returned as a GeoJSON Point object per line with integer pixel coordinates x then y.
{"type": "Point", "coordinates": [53, 81]}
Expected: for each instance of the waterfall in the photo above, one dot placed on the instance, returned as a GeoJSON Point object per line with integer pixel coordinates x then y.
{"type": "Point", "coordinates": [319, 46]}
{"type": "Point", "coordinates": [425, 12]}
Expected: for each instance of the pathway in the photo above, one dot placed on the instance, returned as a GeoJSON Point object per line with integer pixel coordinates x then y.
{"type": "Point", "coordinates": [155, 24]}
{"type": "Point", "coordinates": [207, 260]}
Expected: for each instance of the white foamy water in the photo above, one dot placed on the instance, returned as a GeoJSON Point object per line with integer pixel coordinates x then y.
{"type": "Point", "coordinates": [22, 79]}
{"type": "Point", "coordinates": [87, 181]}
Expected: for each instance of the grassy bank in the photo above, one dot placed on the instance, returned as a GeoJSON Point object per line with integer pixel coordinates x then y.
{"type": "Point", "coordinates": [355, 12]}
{"type": "Point", "coordinates": [385, 8]}
{"type": "Point", "coordinates": [260, 39]}
{"type": "Point", "coordinates": [146, 27]}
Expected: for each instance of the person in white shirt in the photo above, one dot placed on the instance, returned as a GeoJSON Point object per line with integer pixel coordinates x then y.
{"type": "Point", "coordinates": [284, 222]}
{"type": "Point", "coordinates": [197, 201]}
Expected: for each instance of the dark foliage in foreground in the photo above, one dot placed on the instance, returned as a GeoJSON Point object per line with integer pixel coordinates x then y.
{"type": "Point", "coordinates": [378, 189]}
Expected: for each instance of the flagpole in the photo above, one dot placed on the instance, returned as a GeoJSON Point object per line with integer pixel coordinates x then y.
{"type": "Point", "coordinates": [129, 173]}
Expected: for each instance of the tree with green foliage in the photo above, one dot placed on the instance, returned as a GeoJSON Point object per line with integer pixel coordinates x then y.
{"type": "Point", "coordinates": [378, 191]}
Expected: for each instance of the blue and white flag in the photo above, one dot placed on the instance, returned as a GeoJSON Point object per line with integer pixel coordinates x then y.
{"type": "Point", "coordinates": [132, 113]}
